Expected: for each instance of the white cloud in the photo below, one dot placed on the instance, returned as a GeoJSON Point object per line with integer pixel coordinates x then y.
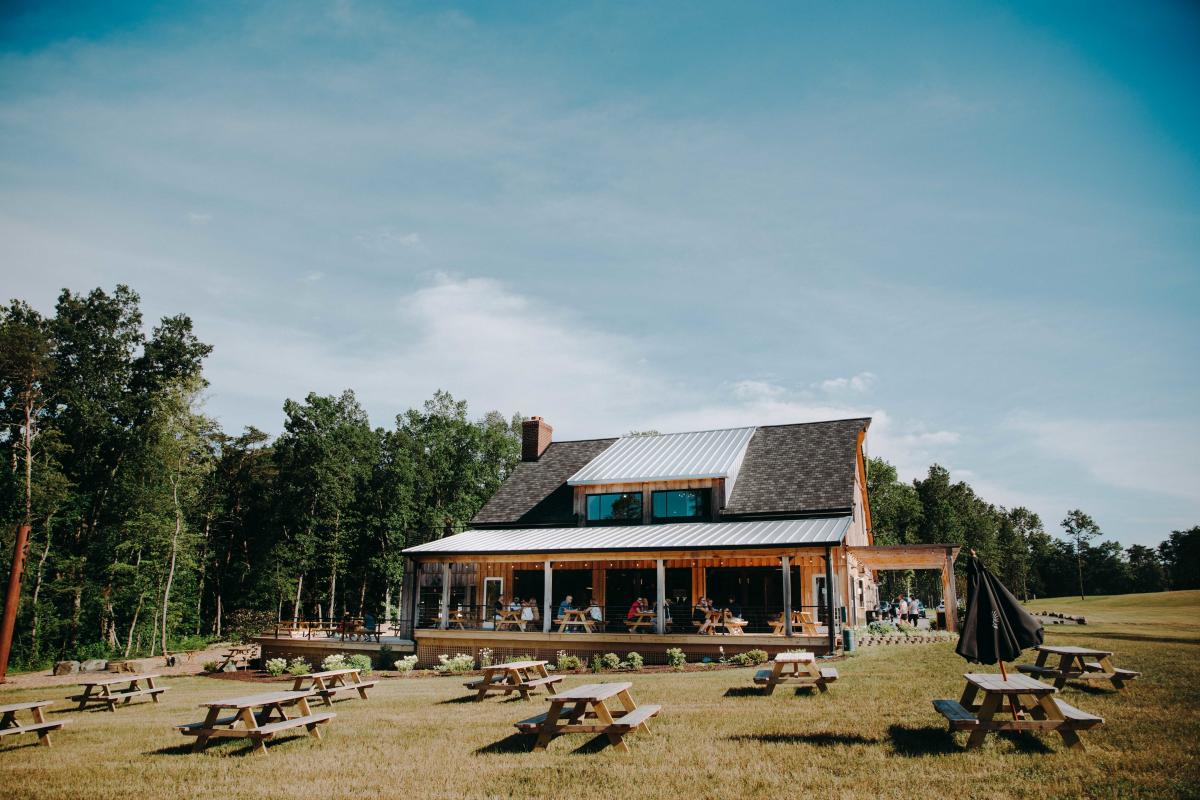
{"type": "Point", "coordinates": [199, 217]}
{"type": "Point", "coordinates": [1155, 457]}
{"type": "Point", "coordinates": [388, 241]}
{"type": "Point", "coordinates": [312, 276]}
{"type": "Point", "coordinates": [857, 383]}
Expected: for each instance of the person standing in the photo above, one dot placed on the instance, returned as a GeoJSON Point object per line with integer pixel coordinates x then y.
{"type": "Point", "coordinates": [901, 609]}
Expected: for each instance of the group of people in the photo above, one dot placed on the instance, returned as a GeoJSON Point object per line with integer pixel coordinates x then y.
{"type": "Point", "coordinates": [529, 608]}
{"type": "Point", "coordinates": [705, 606]}
{"type": "Point", "coordinates": [905, 608]}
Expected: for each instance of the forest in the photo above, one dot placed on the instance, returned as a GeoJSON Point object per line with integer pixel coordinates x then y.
{"type": "Point", "coordinates": [154, 530]}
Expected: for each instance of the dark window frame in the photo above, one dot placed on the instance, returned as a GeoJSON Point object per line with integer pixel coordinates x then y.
{"type": "Point", "coordinates": [705, 510]}
{"type": "Point", "coordinates": [641, 500]}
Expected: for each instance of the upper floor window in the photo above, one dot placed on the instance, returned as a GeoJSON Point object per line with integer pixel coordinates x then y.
{"type": "Point", "coordinates": [619, 508]}
{"type": "Point", "coordinates": [680, 505]}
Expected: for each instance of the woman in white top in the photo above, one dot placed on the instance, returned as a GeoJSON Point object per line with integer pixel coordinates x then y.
{"type": "Point", "coordinates": [528, 610]}
{"type": "Point", "coordinates": [902, 610]}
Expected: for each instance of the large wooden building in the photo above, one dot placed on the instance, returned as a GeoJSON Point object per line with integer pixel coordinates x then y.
{"type": "Point", "coordinates": [771, 523]}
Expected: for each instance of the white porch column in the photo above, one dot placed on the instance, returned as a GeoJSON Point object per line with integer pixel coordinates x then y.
{"type": "Point", "coordinates": [547, 589]}
{"type": "Point", "coordinates": [444, 623]}
{"type": "Point", "coordinates": [660, 620]}
{"type": "Point", "coordinates": [787, 595]}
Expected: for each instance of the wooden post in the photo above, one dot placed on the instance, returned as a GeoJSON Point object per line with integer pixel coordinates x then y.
{"type": "Point", "coordinates": [547, 588]}
{"type": "Point", "coordinates": [829, 599]}
{"type": "Point", "coordinates": [407, 611]}
{"type": "Point", "coordinates": [787, 595]}
{"type": "Point", "coordinates": [13, 597]}
{"type": "Point", "coordinates": [444, 624]}
{"type": "Point", "coordinates": [951, 597]}
{"type": "Point", "coordinates": [660, 595]}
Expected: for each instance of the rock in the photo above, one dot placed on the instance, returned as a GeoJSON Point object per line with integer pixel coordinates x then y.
{"type": "Point", "coordinates": [94, 665]}
{"type": "Point", "coordinates": [1081, 620]}
{"type": "Point", "coordinates": [66, 667]}
{"type": "Point", "coordinates": [230, 667]}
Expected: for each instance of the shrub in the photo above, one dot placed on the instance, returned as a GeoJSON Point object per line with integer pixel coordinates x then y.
{"type": "Point", "coordinates": [635, 661]}
{"type": "Point", "coordinates": [406, 664]}
{"type": "Point", "coordinates": [675, 658]}
{"type": "Point", "coordinates": [335, 661]}
{"type": "Point", "coordinates": [454, 665]}
{"type": "Point", "coordinates": [756, 656]}
{"type": "Point", "coordinates": [210, 666]}
{"type": "Point", "coordinates": [298, 666]}
{"type": "Point", "coordinates": [276, 666]}
{"type": "Point", "coordinates": [524, 657]}
{"type": "Point", "coordinates": [360, 662]}
{"type": "Point", "coordinates": [567, 662]}
{"type": "Point", "coordinates": [244, 624]}
{"type": "Point", "coordinates": [596, 665]}
{"type": "Point", "coordinates": [880, 628]}
{"type": "Point", "coordinates": [610, 661]}
{"type": "Point", "coordinates": [385, 656]}
{"type": "Point", "coordinates": [485, 657]}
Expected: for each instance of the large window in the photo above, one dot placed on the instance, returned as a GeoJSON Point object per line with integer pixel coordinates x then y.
{"type": "Point", "coordinates": [622, 508]}
{"type": "Point", "coordinates": [680, 505]}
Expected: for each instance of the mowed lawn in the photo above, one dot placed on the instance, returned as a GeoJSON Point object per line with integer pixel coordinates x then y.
{"type": "Point", "coordinates": [874, 735]}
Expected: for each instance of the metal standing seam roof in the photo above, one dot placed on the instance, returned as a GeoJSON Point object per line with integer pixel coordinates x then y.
{"type": "Point", "coordinates": [678, 536]}
{"type": "Point", "coordinates": [664, 457]}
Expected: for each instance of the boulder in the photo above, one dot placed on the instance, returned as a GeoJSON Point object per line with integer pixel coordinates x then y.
{"type": "Point", "coordinates": [94, 665]}
{"type": "Point", "coordinates": [66, 667]}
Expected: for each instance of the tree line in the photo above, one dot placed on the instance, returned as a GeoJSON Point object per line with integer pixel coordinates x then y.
{"type": "Point", "coordinates": [1014, 543]}
{"type": "Point", "coordinates": [152, 527]}
{"type": "Point", "coordinates": [150, 524]}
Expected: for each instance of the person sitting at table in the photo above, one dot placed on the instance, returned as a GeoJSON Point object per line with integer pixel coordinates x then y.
{"type": "Point", "coordinates": [700, 612]}
{"type": "Point", "coordinates": [514, 604]}
{"type": "Point", "coordinates": [568, 604]}
{"type": "Point", "coordinates": [536, 607]}
{"type": "Point", "coordinates": [734, 608]}
{"type": "Point", "coordinates": [527, 610]}
{"type": "Point", "coordinates": [635, 608]}
{"type": "Point", "coordinates": [595, 613]}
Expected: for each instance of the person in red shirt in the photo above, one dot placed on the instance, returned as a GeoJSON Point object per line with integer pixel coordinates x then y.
{"type": "Point", "coordinates": [634, 609]}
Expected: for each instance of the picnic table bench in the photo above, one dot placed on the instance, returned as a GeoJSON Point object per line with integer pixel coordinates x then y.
{"type": "Point", "coordinates": [803, 671]}
{"type": "Point", "coordinates": [238, 655]}
{"type": "Point", "coordinates": [328, 683]}
{"type": "Point", "coordinates": [574, 617]}
{"type": "Point", "coordinates": [1078, 664]}
{"type": "Point", "coordinates": [642, 619]}
{"type": "Point", "coordinates": [713, 620]}
{"type": "Point", "coordinates": [589, 713]}
{"type": "Point", "coordinates": [801, 621]}
{"type": "Point", "coordinates": [515, 676]}
{"type": "Point", "coordinates": [9, 726]}
{"type": "Point", "coordinates": [510, 618]}
{"type": "Point", "coordinates": [101, 690]}
{"type": "Point", "coordinates": [246, 723]}
{"type": "Point", "coordinates": [1037, 709]}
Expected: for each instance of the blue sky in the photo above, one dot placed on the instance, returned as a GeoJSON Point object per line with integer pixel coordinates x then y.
{"type": "Point", "coordinates": [978, 223]}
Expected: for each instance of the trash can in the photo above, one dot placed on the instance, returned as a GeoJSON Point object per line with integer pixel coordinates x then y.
{"type": "Point", "coordinates": [848, 640]}
{"type": "Point", "coordinates": [941, 620]}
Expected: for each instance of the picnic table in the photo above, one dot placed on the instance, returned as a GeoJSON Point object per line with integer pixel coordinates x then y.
{"type": "Point", "coordinates": [246, 723]}
{"type": "Point", "coordinates": [239, 655]}
{"type": "Point", "coordinates": [105, 690]}
{"type": "Point", "coordinates": [801, 620]}
{"type": "Point", "coordinates": [1036, 709]}
{"type": "Point", "coordinates": [515, 676]}
{"type": "Point", "coordinates": [9, 725]}
{"type": "Point", "coordinates": [456, 618]}
{"type": "Point", "coordinates": [798, 668]}
{"type": "Point", "coordinates": [328, 683]}
{"type": "Point", "coordinates": [589, 713]}
{"type": "Point", "coordinates": [642, 619]}
{"type": "Point", "coordinates": [575, 617]}
{"type": "Point", "coordinates": [510, 618]}
{"type": "Point", "coordinates": [1078, 664]}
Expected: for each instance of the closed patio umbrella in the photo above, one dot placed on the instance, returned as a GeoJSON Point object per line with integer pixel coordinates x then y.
{"type": "Point", "coordinates": [996, 628]}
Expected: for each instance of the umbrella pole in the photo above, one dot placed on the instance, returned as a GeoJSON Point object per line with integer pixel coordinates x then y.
{"type": "Point", "coordinates": [1012, 701]}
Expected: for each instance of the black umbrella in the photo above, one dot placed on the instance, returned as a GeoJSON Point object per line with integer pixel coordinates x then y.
{"type": "Point", "coordinates": [996, 628]}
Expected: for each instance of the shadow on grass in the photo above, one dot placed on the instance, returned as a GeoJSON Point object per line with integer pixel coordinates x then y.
{"type": "Point", "coordinates": [1024, 742]}
{"type": "Point", "coordinates": [822, 739]}
{"type": "Point", "coordinates": [466, 698]}
{"type": "Point", "coordinates": [926, 741]}
{"type": "Point", "coordinates": [593, 745]}
{"type": "Point", "coordinates": [1133, 637]}
{"type": "Point", "coordinates": [1089, 689]}
{"type": "Point", "coordinates": [513, 743]}
{"type": "Point", "coordinates": [745, 691]}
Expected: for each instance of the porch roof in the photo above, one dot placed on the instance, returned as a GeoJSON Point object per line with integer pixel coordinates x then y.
{"type": "Point", "coordinates": [814, 531]}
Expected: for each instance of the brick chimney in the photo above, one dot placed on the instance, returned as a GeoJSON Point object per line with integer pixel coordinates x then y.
{"type": "Point", "coordinates": [535, 438]}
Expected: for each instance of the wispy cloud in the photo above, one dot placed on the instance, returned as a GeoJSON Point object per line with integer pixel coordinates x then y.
{"type": "Point", "coordinates": [856, 383]}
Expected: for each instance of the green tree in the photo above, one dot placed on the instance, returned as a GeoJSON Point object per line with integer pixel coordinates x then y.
{"type": "Point", "coordinates": [1146, 573]}
{"type": "Point", "coordinates": [1181, 557]}
{"type": "Point", "coordinates": [1080, 529]}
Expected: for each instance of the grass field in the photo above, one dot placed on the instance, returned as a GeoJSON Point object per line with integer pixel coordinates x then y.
{"type": "Point", "coordinates": [874, 735]}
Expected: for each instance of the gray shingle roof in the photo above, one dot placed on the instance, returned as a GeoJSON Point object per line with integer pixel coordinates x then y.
{"type": "Point", "coordinates": [537, 492]}
{"type": "Point", "coordinates": [682, 536]}
{"type": "Point", "coordinates": [804, 468]}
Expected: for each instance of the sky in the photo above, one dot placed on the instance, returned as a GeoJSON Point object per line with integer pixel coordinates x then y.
{"type": "Point", "coordinates": [977, 223]}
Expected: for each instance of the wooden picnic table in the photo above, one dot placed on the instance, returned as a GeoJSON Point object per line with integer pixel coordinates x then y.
{"type": "Point", "coordinates": [101, 690]}
{"type": "Point", "coordinates": [589, 713]}
{"type": "Point", "coordinates": [575, 617]}
{"type": "Point", "coordinates": [1037, 709]}
{"type": "Point", "coordinates": [246, 723]}
{"type": "Point", "coordinates": [801, 621]}
{"type": "Point", "coordinates": [642, 619]}
{"type": "Point", "coordinates": [9, 725]}
{"type": "Point", "coordinates": [510, 618]}
{"type": "Point", "coordinates": [239, 655]}
{"type": "Point", "coordinates": [798, 668]}
{"type": "Point", "coordinates": [328, 683]}
{"type": "Point", "coordinates": [456, 618]}
{"type": "Point", "coordinates": [515, 676]}
{"type": "Point", "coordinates": [1078, 664]}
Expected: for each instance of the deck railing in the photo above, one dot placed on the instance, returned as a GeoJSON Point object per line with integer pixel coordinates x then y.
{"type": "Point", "coordinates": [346, 629]}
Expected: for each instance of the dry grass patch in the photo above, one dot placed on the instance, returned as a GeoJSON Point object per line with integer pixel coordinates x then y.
{"type": "Point", "coordinates": [873, 735]}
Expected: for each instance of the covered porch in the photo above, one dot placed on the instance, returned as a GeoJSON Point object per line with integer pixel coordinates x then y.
{"type": "Point", "coordinates": [915, 557]}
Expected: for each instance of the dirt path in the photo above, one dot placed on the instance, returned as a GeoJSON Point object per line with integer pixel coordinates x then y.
{"type": "Point", "coordinates": [189, 666]}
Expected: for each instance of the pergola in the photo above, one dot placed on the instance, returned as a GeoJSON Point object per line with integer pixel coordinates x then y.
{"type": "Point", "coordinates": [916, 556]}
